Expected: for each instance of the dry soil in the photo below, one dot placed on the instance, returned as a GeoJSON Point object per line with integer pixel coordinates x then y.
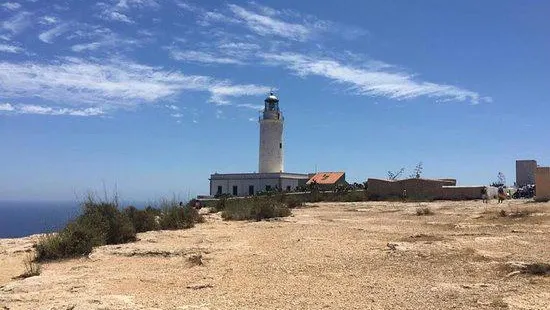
{"type": "Point", "coordinates": [369, 255]}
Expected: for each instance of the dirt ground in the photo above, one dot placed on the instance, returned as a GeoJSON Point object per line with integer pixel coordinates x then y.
{"type": "Point", "coordinates": [368, 255]}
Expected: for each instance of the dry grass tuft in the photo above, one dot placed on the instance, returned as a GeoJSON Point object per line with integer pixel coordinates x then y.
{"type": "Point", "coordinates": [32, 268]}
{"type": "Point", "coordinates": [424, 211]}
{"type": "Point", "coordinates": [195, 260]}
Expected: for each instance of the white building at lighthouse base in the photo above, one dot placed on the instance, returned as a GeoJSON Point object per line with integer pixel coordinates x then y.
{"type": "Point", "coordinates": [248, 184]}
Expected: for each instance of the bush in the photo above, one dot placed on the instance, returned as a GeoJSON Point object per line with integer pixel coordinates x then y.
{"type": "Point", "coordinates": [100, 223]}
{"type": "Point", "coordinates": [293, 202]}
{"type": "Point", "coordinates": [143, 220]}
{"type": "Point", "coordinates": [103, 223]}
{"type": "Point", "coordinates": [176, 217]}
{"type": "Point", "coordinates": [254, 209]}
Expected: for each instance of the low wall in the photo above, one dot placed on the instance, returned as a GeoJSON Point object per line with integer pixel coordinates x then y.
{"type": "Point", "coordinates": [416, 188]}
{"type": "Point", "coordinates": [443, 189]}
{"type": "Point", "coordinates": [460, 193]}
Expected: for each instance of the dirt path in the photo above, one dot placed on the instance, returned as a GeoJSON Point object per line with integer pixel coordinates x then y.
{"type": "Point", "coordinates": [375, 255]}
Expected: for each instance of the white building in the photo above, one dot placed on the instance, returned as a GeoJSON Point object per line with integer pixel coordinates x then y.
{"type": "Point", "coordinates": [271, 175]}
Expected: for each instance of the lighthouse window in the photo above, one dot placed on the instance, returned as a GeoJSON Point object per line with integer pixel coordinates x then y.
{"type": "Point", "coordinates": [280, 145]}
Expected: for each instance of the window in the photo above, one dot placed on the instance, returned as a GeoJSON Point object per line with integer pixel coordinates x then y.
{"type": "Point", "coordinates": [235, 190]}
{"type": "Point", "coordinates": [288, 188]}
{"type": "Point", "coordinates": [219, 192]}
{"type": "Point", "coordinates": [280, 145]}
{"type": "Point", "coordinates": [251, 190]}
{"type": "Point", "coordinates": [267, 188]}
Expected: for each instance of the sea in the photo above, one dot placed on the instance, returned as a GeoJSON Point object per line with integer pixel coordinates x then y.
{"type": "Point", "coordinates": [24, 218]}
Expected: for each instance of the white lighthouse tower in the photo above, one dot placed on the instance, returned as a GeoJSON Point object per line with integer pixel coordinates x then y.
{"type": "Point", "coordinates": [271, 136]}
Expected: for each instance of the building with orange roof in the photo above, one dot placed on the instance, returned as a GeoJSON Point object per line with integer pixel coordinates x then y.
{"type": "Point", "coordinates": [327, 180]}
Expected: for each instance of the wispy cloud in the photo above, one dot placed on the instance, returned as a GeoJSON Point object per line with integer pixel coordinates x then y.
{"type": "Point", "coordinates": [113, 84]}
{"type": "Point", "coordinates": [46, 110]}
{"type": "Point", "coordinates": [172, 107]}
{"type": "Point", "coordinates": [104, 38]}
{"type": "Point", "coordinates": [266, 25]}
{"type": "Point", "coordinates": [10, 49]}
{"type": "Point", "coordinates": [118, 10]}
{"type": "Point", "coordinates": [11, 6]}
{"type": "Point", "coordinates": [221, 91]}
{"type": "Point", "coordinates": [202, 57]}
{"type": "Point", "coordinates": [49, 35]}
{"type": "Point", "coordinates": [256, 107]}
{"type": "Point", "coordinates": [47, 20]}
{"type": "Point", "coordinates": [6, 107]}
{"type": "Point", "coordinates": [393, 85]}
{"type": "Point", "coordinates": [17, 23]}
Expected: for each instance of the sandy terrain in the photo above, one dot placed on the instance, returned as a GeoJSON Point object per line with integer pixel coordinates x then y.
{"type": "Point", "coordinates": [375, 255]}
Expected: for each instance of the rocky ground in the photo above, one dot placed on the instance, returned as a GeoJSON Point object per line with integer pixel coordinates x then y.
{"type": "Point", "coordinates": [371, 255]}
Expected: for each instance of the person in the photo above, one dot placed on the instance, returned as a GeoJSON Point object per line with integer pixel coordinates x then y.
{"type": "Point", "coordinates": [501, 195]}
{"type": "Point", "coordinates": [404, 195]}
{"type": "Point", "coordinates": [484, 194]}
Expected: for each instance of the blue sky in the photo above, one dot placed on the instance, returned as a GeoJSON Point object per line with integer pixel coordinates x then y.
{"type": "Point", "coordinates": [153, 96]}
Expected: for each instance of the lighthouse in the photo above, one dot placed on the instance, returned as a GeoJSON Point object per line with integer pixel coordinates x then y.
{"type": "Point", "coordinates": [270, 176]}
{"type": "Point", "coordinates": [271, 137]}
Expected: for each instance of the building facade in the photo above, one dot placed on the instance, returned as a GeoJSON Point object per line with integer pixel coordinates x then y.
{"type": "Point", "coordinates": [248, 184]}
{"type": "Point", "coordinates": [525, 172]}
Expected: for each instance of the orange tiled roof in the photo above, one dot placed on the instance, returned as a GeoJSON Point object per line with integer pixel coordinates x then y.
{"type": "Point", "coordinates": [325, 177]}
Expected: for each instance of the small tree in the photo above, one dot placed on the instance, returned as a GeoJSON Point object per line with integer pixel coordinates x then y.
{"type": "Point", "coordinates": [501, 180]}
{"type": "Point", "coordinates": [417, 172]}
{"type": "Point", "coordinates": [394, 175]}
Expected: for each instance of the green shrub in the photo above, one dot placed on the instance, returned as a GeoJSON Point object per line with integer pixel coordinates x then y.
{"type": "Point", "coordinates": [293, 202]}
{"type": "Point", "coordinates": [254, 209]}
{"type": "Point", "coordinates": [176, 217]}
{"type": "Point", "coordinates": [143, 220]}
{"type": "Point", "coordinates": [100, 223]}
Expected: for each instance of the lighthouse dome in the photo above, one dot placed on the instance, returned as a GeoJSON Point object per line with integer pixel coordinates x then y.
{"type": "Point", "coordinates": [272, 98]}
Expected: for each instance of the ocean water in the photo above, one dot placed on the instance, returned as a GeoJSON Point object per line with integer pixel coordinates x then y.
{"type": "Point", "coordinates": [23, 218]}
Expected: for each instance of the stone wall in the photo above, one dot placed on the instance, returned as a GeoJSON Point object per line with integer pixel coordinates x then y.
{"type": "Point", "coordinates": [443, 189]}
{"type": "Point", "coordinates": [542, 180]}
{"type": "Point", "coordinates": [416, 188]}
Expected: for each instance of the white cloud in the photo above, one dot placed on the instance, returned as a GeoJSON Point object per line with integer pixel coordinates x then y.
{"type": "Point", "coordinates": [17, 23]}
{"type": "Point", "coordinates": [394, 85]}
{"type": "Point", "coordinates": [10, 49]}
{"type": "Point", "coordinates": [104, 38]}
{"type": "Point", "coordinates": [112, 84]}
{"type": "Point", "coordinates": [48, 20]}
{"type": "Point", "coordinates": [117, 16]}
{"type": "Point", "coordinates": [172, 107]}
{"type": "Point", "coordinates": [45, 110]}
{"type": "Point", "coordinates": [86, 46]}
{"type": "Point", "coordinates": [177, 115]}
{"type": "Point", "coordinates": [202, 57]}
{"type": "Point", "coordinates": [49, 35]}
{"type": "Point", "coordinates": [240, 46]}
{"type": "Point", "coordinates": [266, 25]}
{"type": "Point", "coordinates": [6, 107]}
{"type": "Point", "coordinates": [256, 107]}
{"type": "Point", "coordinates": [118, 10]}
{"type": "Point", "coordinates": [11, 5]}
